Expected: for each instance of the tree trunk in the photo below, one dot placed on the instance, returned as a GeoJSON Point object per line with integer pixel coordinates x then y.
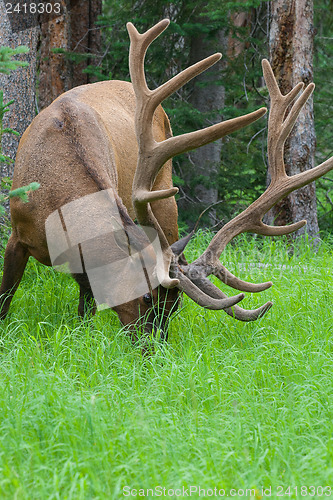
{"type": "Point", "coordinates": [75, 31]}
{"type": "Point", "coordinates": [18, 85]}
{"type": "Point", "coordinates": [291, 55]}
{"type": "Point", "coordinates": [54, 75]}
{"type": "Point", "coordinates": [85, 36]}
{"type": "Point", "coordinates": [239, 20]}
{"type": "Point", "coordinates": [207, 96]}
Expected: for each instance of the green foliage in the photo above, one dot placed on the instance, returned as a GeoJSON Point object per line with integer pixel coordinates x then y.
{"type": "Point", "coordinates": [4, 108]}
{"type": "Point", "coordinates": [7, 64]}
{"type": "Point", "coordinates": [5, 182]}
{"type": "Point", "coordinates": [224, 403]}
{"type": "Point", "coordinates": [76, 57]}
{"type": "Point", "coordinates": [21, 192]}
{"type": "Point", "coordinates": [323, 106]}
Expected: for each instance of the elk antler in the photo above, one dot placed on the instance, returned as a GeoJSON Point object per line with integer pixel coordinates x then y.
{"type": "Point", "coordinates": [193, 278]}
{"type": "Point", "coordinates": [250, 220]}
{"type": "Point", "coordinates": [153, 155]}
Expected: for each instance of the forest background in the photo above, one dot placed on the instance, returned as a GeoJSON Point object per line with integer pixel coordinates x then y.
{"type": "Point", "coordinates": [89, 42]}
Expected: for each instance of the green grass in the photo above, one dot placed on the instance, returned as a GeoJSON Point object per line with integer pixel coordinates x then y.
{"type": "Point", "coordinates": [223, 404]}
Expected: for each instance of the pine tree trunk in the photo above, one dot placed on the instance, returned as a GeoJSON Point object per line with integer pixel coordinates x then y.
{"type": "Point", "coordinates": [85, 35]}
{"type": "Point", "coordinates": [291, 55]}
{"type": "Point", "coordinates": [207, 96]}
{"type": "Point", "coordinates": [18, 85]}
{"type": "Point", "coordinates": [54, 75]}
{"type": "Point", "coordinates": [239, 20]}
{"type": "Point", "coordinates": [74, 31]}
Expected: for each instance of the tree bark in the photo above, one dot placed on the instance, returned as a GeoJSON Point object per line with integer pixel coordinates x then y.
{"type": "Point", "coordinates": [239, 20]}
{"type": "Point", "coordinates": [291, 55]}
{"type": "Point", "coordinates": [74, 31]}
{"type": "Point", "coordinates": [207, 96]}
{"type": "Point", "coordinates": [54, 75]}
{"type": "Point", "coordinates": [18, 85]}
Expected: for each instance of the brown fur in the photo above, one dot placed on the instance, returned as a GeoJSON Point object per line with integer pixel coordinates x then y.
{"type": "Point", "coordinates": [82, 143]}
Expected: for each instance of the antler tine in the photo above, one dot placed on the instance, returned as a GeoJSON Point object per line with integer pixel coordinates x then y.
{"type": "Point", "coordinates": [294, 112]}
{"type": "Point", "coordinates": [139, 45]}
{"type": "Point", "coordinates": [202, 298]}
{"type": "Point", "coordinates": [178, 81]}
{"type": "Point", "coordinates": [192, 140]}
{"type": "Point", "coordinates": [280, 127]}
{"type": "Point", "coordinates": [250, 220]}
{"type": "Point", "coordinates": [196, 272]}
{"type": "Point", "coordinates": [234, 311]}
{"type": "Point", "coordinates": [229, 279]}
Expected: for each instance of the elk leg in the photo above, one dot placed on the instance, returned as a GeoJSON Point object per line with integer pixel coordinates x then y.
{"type": "Point", "coordinates": [87, 303]}
{"type": "Point", "coordinates": [16, 258]}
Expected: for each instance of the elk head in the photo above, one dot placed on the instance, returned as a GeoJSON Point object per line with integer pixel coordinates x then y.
{"type": "Point", "coordinates": [175, 273]}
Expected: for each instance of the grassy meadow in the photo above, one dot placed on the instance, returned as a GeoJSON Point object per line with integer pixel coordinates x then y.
{"type": "Point", "coordinates": [224, 404]}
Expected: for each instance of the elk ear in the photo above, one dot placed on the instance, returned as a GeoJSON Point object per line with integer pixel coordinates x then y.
{"type": "Point", "coordinates": [179, 246]}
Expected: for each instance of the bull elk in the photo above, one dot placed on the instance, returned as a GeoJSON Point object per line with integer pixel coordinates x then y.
{"type": "Point", "coordinates": [115, 137]}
